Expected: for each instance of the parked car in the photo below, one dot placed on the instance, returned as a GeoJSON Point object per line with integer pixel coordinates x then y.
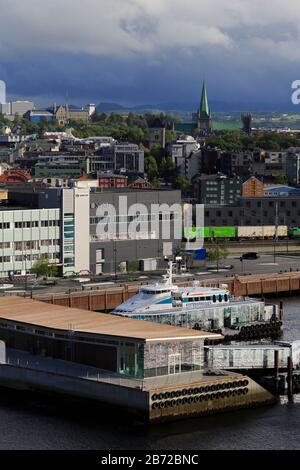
{"type": "Point", "coordinates": [249, 256]}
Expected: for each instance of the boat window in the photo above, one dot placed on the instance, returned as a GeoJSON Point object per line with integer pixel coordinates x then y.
{"type": "Point", "coordinates": [176, 297]}
{"type": "Point", "coordinates": [226, 298]}
{"type": "Point", "coordinates": [214, 299]}
{"type": "Point", "coordinates": [208, 298]}
{"type": "Point", "coordinates": [220, 298]}
{"type": "Point", "coordinates": [191, 299]}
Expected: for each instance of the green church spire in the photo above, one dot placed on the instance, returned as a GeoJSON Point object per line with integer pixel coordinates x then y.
{"type": "Point", "coordinates": [204, 109]}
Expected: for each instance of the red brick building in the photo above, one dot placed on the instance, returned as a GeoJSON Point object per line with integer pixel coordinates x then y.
{"type": "Point", "coordinates": [253, 187]}
{"type": "Point", "coordinates": [113, 181]}
{"type": "Point", "coordinates": [15, 176]}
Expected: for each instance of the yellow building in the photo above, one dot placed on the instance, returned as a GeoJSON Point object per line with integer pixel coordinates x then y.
{"type": "Point", "coordinates": [3, 195]}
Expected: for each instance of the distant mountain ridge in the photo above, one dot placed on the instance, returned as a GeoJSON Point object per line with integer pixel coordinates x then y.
{"type": "Point", "coordinates": [216, 106]}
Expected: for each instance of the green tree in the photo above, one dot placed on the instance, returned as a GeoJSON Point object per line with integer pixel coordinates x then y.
{"type": "Point", "coordinates": [167, 170]}
{"type": "Point", "coordinates": [182, 183]}
{"type": "Point", "coordinates": [156, 183]}
{"type": "Point", "coordinates": [280, 179]}
{"type": "Point", "coordinates": [159, 153]}
{"type": "Point", "coordinates": [217, 253]}
{"type": "Point", "coordinates": [151, 167]}
{"type": "Point", "coordinates": [42, 267]}
{"type": "Point", "coordinates": [133, 266]}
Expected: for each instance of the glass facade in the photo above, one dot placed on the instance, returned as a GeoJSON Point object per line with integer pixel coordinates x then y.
{"type": "Point", "coordinates": [69, 240]}
{"type": "Point", "coordinates": [131, 359]}
{"type": "Point", "coordinates": [142, 360]}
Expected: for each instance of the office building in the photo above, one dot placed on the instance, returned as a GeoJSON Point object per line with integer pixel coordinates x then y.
{"type": "Point", "coordinates": [186, 155]}
{"type": "Point", "coordinates": [109, 253]}
{"type": "Point", "coordinates": [293, 167]}
{"type": "Point", "coordinates": [255, 211]}
{"type": "Point", "coordinates": [25, 236]}
{"type": "Point", "coordinates": [82, 246]}
{"type": "Point", "coordinates": [217, 189]}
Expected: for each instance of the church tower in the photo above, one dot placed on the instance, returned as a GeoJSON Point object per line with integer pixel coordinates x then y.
{"type": "Point", "coordinates": [203, 114]}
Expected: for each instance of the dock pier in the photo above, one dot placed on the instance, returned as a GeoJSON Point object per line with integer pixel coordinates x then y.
{"type": "Point", "coordinates": [105, 300]}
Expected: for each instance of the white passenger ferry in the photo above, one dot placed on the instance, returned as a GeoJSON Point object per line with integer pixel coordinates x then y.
{"type": "Point", "coordinates": [195, 306]}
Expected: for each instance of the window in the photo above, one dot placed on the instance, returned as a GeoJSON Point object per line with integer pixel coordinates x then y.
{"type": "Point", "coordinates": [4, 225]}
{"type": "Point", "coordinates": [4, 245]}
{"type": "Point", "coordinates": [23, 225]}
{"type": "Point", "coordinates": [4, 259]}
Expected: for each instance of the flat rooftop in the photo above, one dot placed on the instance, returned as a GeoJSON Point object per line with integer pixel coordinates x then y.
{"type": "Point", "coordinates": [44, 315]}
{"type": "Point", "coordinates": [11, 207]}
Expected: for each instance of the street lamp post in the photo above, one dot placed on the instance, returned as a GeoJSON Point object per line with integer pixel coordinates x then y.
{"type": "Point", "coordinates": [242, 262]}
{"type": "Point", "coordinates": [115, 258]}
{"type": "Point", "coordinates": [276, 231]}
{"type": "Point", "coordinates": [26, 281]}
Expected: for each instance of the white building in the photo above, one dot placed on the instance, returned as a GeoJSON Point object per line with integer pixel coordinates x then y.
{"type": "Point", "coordinates": [2, 92]}
{"type": "Point", "coordinates": [26, 235]}
{"type": "Point", "coordinates": [14, 108]}
{"type": "Point", "coordinates": [185, 155]}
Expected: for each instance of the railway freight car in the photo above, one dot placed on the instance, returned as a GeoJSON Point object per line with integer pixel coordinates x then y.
{"type": "Point", "coordinates": [261, 232]}
{"type": "Point", "coordinates": [244, 232]}
{"type": "Point", "coordinates": [227, 233]}
{"type": "Point", "coordinates": [294, 232]}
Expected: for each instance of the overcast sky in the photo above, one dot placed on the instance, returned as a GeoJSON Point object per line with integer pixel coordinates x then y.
{"type": "Point", "coordinates": [150, 51]}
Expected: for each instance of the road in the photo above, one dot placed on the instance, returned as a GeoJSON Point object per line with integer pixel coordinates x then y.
{"type": "Point", "coordinates": [264, 265]}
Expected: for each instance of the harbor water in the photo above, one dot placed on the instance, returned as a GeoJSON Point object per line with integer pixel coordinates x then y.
{"type": "Point", "coordinates": [30, 421]}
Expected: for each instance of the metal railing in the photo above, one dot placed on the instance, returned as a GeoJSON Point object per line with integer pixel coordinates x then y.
{"type": "Point", "coordinates": [69, 369]}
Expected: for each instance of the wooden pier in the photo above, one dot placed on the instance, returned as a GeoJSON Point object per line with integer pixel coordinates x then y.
{"type": "Point", "coordinates": [106, 300]}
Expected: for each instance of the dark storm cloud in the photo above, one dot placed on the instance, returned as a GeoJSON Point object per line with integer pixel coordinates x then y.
{"type": "Point", "coordinates": [137, 51]}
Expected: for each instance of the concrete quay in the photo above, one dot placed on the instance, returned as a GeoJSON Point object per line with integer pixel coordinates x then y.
{"type": "Point", "coordinates": [152, 400]}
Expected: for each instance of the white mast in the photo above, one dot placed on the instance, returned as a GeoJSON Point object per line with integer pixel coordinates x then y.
{"type": "Point", "coordinates": [170, 272]}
